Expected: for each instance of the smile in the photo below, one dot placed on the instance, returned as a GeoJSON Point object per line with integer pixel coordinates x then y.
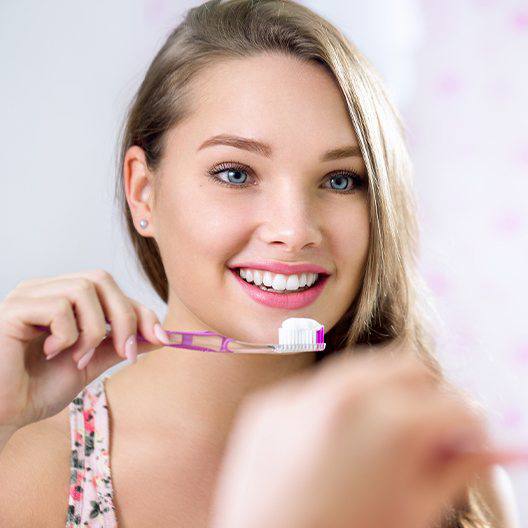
{"type": "Point", "coordinates": [277, 290]}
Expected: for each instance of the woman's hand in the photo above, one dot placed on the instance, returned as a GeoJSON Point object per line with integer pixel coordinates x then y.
{"type": "Point", "coordinates": [74, 306]}
{"type": "Point", "coordinates": [357, 443]}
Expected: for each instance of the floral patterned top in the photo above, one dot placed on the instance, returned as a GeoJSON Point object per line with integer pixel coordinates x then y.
{"type": "Point", "coordinates": [90, 499]}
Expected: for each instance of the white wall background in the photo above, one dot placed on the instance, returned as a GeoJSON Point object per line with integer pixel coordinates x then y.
{"type": "Point", "coordinates": [457, 69]}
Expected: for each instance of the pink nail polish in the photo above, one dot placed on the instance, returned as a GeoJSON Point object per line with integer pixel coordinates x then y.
{"type": "Point", "coordinates": [85, 359]}
{"type": "Point", "coordinates": [131, 348]}
{"type": "Point", "coordinates": [511, 455]}
{"type": "Point", "coordinates": [161, 334]}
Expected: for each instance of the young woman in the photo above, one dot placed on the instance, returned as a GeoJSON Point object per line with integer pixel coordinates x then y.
{"type": "Point", "coordinates": [260, 139]}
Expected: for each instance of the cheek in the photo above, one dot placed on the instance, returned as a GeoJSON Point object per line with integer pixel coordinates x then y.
{"type": "Point", "coordinates": [351, 240]}
{"type": "Point", "coordinates": [200, 229]}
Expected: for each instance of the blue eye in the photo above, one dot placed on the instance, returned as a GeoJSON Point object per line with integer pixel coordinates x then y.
{"type": "Point", "coordinates": [232, 171]}
{"type": "Point", "coordinates": [234, 174]}
{"type": "Point", "coordinates": [234, 179]}
{"type": "Point", "coordinates": [342, 179]}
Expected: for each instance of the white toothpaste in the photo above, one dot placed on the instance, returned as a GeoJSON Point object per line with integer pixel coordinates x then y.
{"type": "Point", "coordinates": [298, 330]}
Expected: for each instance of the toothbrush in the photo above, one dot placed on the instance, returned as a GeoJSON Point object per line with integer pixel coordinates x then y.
{"type": "Point", "coordinates": [296, 334]}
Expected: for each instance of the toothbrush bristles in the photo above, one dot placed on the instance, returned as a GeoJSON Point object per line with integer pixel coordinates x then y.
{"type": "Point", "coordinates": [301, 347]}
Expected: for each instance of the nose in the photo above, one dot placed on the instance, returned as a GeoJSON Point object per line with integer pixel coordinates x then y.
{"type": "Point", "coordinates": [290, 222]}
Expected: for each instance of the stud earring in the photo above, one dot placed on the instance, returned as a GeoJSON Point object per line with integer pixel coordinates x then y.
{"type": "Point", "coordinates": [143, 223]}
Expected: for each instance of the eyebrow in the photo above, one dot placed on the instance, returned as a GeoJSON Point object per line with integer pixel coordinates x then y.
{"type": "Point", "coordinates": [265, 150]}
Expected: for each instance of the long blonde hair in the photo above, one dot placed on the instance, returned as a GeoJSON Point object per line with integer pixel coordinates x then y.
{"type": "Point", "coordinates": [393, 302]}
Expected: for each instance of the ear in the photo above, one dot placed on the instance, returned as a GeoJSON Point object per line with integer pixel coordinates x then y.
{"type": "Point", "coordinates": [138, 183]}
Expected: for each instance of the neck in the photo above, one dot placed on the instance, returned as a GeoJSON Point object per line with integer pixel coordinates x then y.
{"type": "Point", "coordinates": [202, 391]}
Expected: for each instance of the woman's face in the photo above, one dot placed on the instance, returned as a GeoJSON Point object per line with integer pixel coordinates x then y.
{"type": "Point", "coordinates": [282, 203]}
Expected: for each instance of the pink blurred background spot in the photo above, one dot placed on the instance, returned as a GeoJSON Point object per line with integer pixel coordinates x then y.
{"type": "Point", "coordinates": [521, 354]}
{"type": "Point", "coordinates": [520, 20]}
{"type": "Point", "coordinates": [449, 84]}
{"type": "Point", "coordinates": [512, 418]}
{"type": "Point", "coordinates": [508, 222]}
{"type": "Point", "coordinates": [438, 282]}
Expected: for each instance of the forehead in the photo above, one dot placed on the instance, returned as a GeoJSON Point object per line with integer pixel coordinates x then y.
{"type": "Point", "coordinates": [270, 96]}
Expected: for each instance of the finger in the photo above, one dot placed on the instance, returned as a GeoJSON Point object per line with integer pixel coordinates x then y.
{"type": "Point", "coordinates": [418, 431]}
{"type": "Point", "coordinates": [115, 305]}
{"type": "Point", "coordinates": [147, 322]}
{"type": "Point", "coordinates": [509, 456]}
{"type": "Point", "coordinates": [458, 471]}
{"type": "Point", "coordinates": [53, 312]}
{"type": "Point", "coordinates": [104, 358]}
{"type": "Point", "coordinates": [119, 312]}
{"type": "Point", "coordinates": [89, 316]}
{"type": "Point", "coordinates": [448, 441]}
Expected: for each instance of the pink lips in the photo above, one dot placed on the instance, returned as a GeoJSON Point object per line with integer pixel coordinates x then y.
{"type": "Point", "coordinates": [288, 301]}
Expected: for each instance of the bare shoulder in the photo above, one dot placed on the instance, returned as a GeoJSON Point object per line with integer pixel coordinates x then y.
{"type": "Point", "coordinates": [35, 474]}
{"type": "Point", "coordinates": [495, 487]}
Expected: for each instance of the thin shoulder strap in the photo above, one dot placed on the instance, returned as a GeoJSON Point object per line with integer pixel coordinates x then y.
{"type": "Point", "coordinates": [90, 501]}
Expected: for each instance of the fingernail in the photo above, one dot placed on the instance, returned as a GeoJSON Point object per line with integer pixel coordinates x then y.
{"type": "Point", "coordinates": [84, 359]}
{"type": "Point", "coordinates": [161, 334]}
{"type": "Point", "coordinates": [131, 348]}
{"type": "Point", "coordinates": [52, 355]}
{"type": "Point", "coordinates": [511, 456]}
{"type": "Point", "coordinates": [52, 343]}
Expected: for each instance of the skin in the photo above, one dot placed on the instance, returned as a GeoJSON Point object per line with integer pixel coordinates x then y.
{"type": "Point", "coordinates": [293, 214]}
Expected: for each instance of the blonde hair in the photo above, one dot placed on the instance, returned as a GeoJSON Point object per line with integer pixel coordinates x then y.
{"type": "Point", "coordinates": [393, 302]}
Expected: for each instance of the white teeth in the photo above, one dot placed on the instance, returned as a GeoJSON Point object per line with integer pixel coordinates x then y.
{"type": "Point", "coordinates": [292, 283]}
{"type": "Point", "coordinates": [278, 281]}
{"type": "Point", "coordinates": [257, 277]}
{"type": "Point", "coordinates": [267, 280]}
